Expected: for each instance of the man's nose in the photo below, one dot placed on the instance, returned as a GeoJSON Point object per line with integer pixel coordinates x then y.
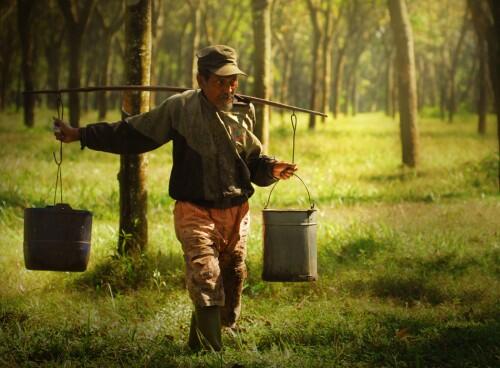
{"type": "Point", "coordinates": [227, 88]}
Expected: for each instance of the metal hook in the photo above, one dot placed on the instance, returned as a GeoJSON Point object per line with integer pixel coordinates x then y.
{"type": "Point", "coordinates": [293, 119]}
{"type": "Point", "coordinates": [58, 161]}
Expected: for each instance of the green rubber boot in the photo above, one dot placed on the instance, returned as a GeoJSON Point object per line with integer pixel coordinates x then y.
{"type": "Point", "coordinates": [205, 330]}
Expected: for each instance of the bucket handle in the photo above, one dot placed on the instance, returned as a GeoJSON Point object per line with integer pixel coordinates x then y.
{"type": "Point", "coordinates": [311, 202]}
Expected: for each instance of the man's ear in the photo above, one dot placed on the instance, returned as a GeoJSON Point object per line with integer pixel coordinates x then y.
{"type": "Point", "coordinates": [201, 81]}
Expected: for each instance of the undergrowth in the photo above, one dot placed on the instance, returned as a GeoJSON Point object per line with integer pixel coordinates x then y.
{"type": "Point", "coordinates": [408, 260]}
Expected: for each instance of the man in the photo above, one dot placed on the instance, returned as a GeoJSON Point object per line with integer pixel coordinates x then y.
{"type": "Point", "coordinates": [216, 157]}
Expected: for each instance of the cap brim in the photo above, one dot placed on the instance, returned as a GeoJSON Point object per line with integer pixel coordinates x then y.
{"type": "Point", "coordinates": [228, 69]}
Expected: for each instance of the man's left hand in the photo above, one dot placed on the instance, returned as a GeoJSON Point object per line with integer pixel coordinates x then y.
{"type": "Point", "coordinates": [283, 170]}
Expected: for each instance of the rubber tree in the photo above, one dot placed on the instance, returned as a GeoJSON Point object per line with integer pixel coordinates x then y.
{"type": "Point", "coordinates": [195, 7]}
{"type": "Point", "coordinates": [52, 32]}
{"type": "Point", "coordinates": [133, 234]}
{"type": "Point", "coordinates": [76, 15]}
{"type": "Point", "coordinates": [109, 25]}
{"type": "Point", "coordinates": [405, 64]}
{"type": "Point", "coordinates": [8, 51]}
{"type": "Point", "coordinates": [261, 22]}
{"type": "Point", "coordinates": [480, 27]}
{"type": "Point", "coordinates": [494, 60]}
{"type": "Point", "coordinates": [25, 17]}
{"type": "Point", "coordinates": [455, 59]}
{"type": "Point", "coordinates": [315, 59]}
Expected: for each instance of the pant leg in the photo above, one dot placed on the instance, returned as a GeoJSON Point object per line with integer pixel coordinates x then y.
{"type": "Point", "coordinates": [197, 232]}
{"type": "Point", "coordinates": [232, 263]}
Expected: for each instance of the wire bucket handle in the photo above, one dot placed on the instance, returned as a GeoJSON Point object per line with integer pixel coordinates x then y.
{"type": "Point", "coordinates": [311, 202]}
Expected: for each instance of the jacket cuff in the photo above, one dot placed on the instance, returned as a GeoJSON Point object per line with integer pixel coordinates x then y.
{"type": "Point", "coordinates": [83, 138]}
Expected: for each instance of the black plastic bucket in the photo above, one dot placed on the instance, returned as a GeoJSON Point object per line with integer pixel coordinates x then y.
{"type": "Point", "coordinates": [57, 238]}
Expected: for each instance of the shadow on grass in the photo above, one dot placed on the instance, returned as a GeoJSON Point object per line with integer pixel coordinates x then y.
{"type": "Point", "coordinates": [387, 339]}
{"type": "Point", "coordinates": [434, 279]}
{"type": "Point", "coordinates": [360, 249]}
{"type": "Point", "coordinates": [86, 345]}
{"type": "Point", "coordinates": [408, 288]}
{"type": "Point", "coordinates": [122, 273]}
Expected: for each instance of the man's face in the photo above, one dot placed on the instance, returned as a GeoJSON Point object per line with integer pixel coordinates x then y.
{"type": "Point", "coordinates": [219, 90]}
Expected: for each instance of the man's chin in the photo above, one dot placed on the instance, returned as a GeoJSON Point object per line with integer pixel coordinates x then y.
{"type": "Point", "coordinates": [226, 106]}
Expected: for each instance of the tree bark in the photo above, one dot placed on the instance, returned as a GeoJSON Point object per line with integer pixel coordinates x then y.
{"type": "Point", "coordinates": [25, 19]}
{"type": "Point", "coordinates": [389, 86]}
{"type": "Point", "coordinates": [76, 24]}
{"type": "Point", "coordinates": [53, 57]}
{"type": "Point", "coordinates": [262, 76]}
{"type": "Point", "coordinates": [133, 235]}
{"type": "Point", "coordinates": [494, 61]}
{"type": "Point", "coordinates": [109, 29]}
{"type": "Point", "coordinates": [329, 28]}
{"type": "Point", "coordinates": [337, 80]}
{"type": "Point", "coordinates": [192, 67]}
{"type": "Point", "coordinates": [8, 55]}
{"type": "Point", "coordinates": [407, 84]}
{"type": "Point", "coordinates": [315, 61]}
{"type": "Point", "coordinates": [453, 71]}
{"type": "Point", "coordinates": [395, 89]}
{"type": "Point", "coordinates": [482, 101]}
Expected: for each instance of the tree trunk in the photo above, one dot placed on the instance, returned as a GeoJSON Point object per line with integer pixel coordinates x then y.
{"type": "Point", "coordinates": [453, 71]}
{"type": "Point", "coordinates": [494, 59]}
{"type": "Point", "coordinates": [8, 54]}
{"type": "Point", "coordinates": [315, 62]}
{"type": "Point", "coordinates": [133, 236]}
{"type": "Point", "coordinates": [262, 86]}
{"type": "Point", "coordinates": [395, 89]}
{"type": "Point", "coordinates": [25, 18]}
{"type": "Point", "coordinates": [76, 25]}
{"type": "Point", "coordinates": [53, 57]}
{"type": "Point", "coordinates": [192, 68]}
{"type": "Point", "coordinates": [406, 75]}
{"type": "Point", "coordinates": [482, 101]}
{"type": "Point", "coordinates": [327, 59]}
{"type": "Point", "coordinates": [432, 83]}
{"type": "Point", "coordinates": [481, 30]}
{"type": "Point", "coordinates": [102, 96]}
{"type": "Point", "coordinates": [285, 75]}
{"type": "Point", "coordinates": [339, 71]}
{"type": "Point", "coordinates": [354, 91]}
{"type": "Point", "coordinates": [389, 86]}
{"type": "Point", "coordinates": [421, 91]}
{"type": "Point", "coordinates": [109, 26]}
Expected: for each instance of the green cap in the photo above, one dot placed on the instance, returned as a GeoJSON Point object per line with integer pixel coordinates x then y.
{"type": "Point", "coordinates": [219, 59]}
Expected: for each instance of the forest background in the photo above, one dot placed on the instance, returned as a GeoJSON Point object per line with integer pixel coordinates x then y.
{"type": "Point", "coordinates": [408, 253]}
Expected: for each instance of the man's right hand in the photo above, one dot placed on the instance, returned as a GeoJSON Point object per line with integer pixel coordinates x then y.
{"type": "Point", "coordinates": [64, 132]}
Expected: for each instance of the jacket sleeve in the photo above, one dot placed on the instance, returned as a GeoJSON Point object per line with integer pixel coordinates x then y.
{"type": "Point", "coordinates": [261, 169]}
{"type": "Point", "coordinates": [119, 137]}
{"type": "Point", "coordinates": [260, 166]}
{"type": "Point", "coordinates": [135, 134]}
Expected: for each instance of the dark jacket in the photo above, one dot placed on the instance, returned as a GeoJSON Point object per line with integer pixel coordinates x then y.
{"type": "Point", "coordinates": [216, 156]}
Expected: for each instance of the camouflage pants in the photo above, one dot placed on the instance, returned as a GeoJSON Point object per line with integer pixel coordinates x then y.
{"type": "Point", "coordinates": [214, 245]}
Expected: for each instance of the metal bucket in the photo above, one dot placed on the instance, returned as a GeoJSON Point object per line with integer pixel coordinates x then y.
{"type": "Point", "coordinates": [57, 238]}
{"type": "Point", "coordinates": [289, 245]}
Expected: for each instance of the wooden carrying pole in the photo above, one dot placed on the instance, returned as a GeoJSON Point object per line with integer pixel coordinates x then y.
{"type": "Point", "coordinates": [172, 89]}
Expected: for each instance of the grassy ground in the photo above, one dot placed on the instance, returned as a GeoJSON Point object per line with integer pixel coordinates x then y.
{"type": "Point", "coordinates": [409, 260]}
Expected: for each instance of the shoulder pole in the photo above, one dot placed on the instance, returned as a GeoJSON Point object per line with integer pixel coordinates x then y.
{"type": "Point", "coordinates": [171, 89]}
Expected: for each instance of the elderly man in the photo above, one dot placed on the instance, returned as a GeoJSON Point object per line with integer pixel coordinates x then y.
{"type": "Point", "coordinates": [216, 158]}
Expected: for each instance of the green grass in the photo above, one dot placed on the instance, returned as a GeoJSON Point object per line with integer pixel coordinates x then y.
{"type": "Point", "coordinates": [409, 260]}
